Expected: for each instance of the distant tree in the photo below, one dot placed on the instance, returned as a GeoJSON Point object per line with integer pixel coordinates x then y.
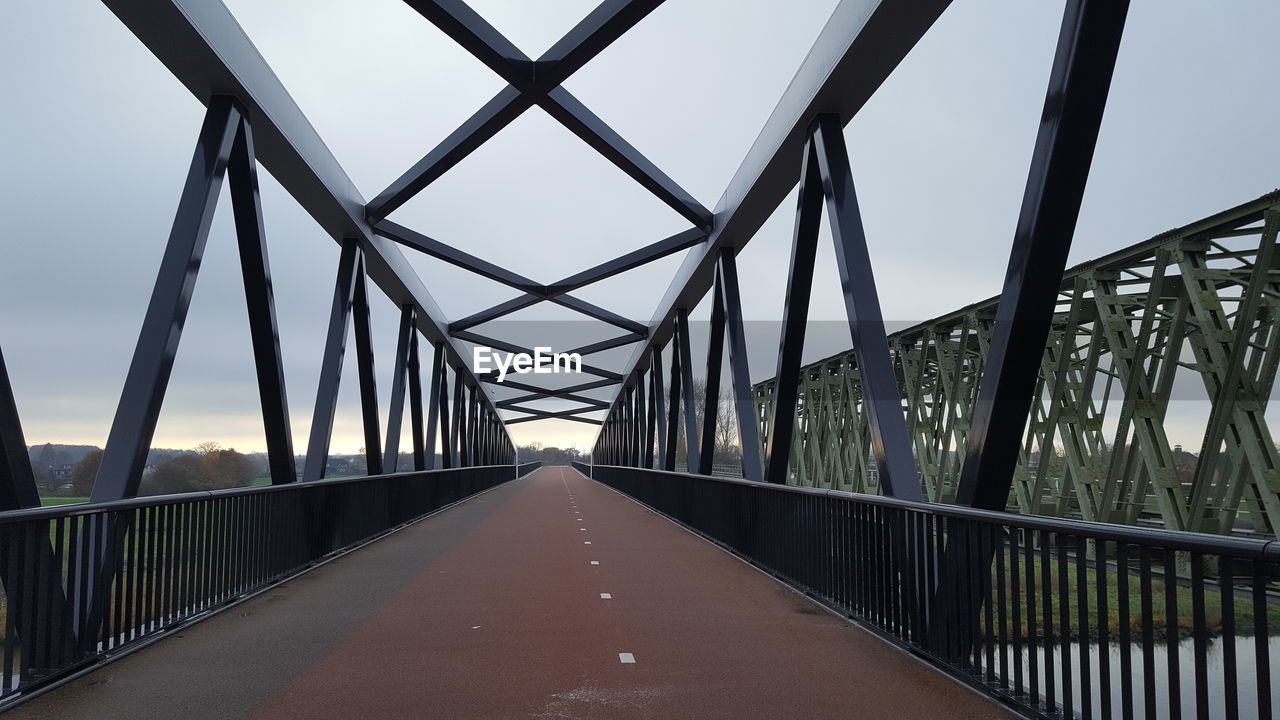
{"type": "Point", "coordinates": [221, 469]}
{"type": "Point", "coordinates": [180, 474]}
{"type": "Point", "coordinates": [207, 447]}
{"type": "Point", "coordinates": [84, 472]}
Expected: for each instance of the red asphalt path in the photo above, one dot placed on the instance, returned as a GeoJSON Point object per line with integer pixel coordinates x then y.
{"type": "Point", "coordinates": [495, 609]}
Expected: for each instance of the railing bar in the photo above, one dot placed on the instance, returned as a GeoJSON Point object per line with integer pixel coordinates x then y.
{"type": "Point", "coordinates": [1103, 614]}
{"type": "Point", "coordinates": [1227, 599]}
{"type": "Point", "coordinates": [1148, 634]}
{"type": "Point", "coordinates": [1082, 627]}
{"type": "Point", "coordinates": [1064, 626]}
{"type": "Point", "coordinates": [1262, 669]}
{"type": "Point", "coordinates": [1015, 587]}
{"type": "Point", "coordinates": [1033, 642]}
{"type": "Point", "coordinates": [1172, 634]}
{"type": "Point", "coordinates": [1046, 597]}
{"type": "Point", "coordinates": [1200, 636]}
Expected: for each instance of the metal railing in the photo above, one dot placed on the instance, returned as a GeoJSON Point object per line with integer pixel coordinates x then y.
{"type": "Point", "coordinates": [84, 582]}
{"type": "Point", "coordinates": [1055, 617]}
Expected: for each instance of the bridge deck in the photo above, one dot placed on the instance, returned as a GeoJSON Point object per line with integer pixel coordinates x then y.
{"type": "Point", "coordinates": [494, 609]}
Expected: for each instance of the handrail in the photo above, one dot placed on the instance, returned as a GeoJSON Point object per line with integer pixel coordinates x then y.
{"type": "Point", "coordinates": [1251, 548]}
{"type": "Point", "coordinates": [76, 509]}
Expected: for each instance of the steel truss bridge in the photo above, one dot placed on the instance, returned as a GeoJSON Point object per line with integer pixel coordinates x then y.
{"type": "Point", "coordinates": [1201, 299]}
{"type": "Point", "coordinates": [923, 553]}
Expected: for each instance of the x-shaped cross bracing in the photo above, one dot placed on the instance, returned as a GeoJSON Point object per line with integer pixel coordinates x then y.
{"type": "Point", "coordinates": [539, 82]}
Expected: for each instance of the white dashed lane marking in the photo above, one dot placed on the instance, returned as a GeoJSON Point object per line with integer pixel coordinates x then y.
{"type": "Point", "coordinates": [606, 596]}
{"type": "Point", "coordinates": [626, 658]}
{"type": "Point", "coordinates": [595, 562]}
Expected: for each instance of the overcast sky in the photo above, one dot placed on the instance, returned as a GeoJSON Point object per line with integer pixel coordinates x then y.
{"type": "Point", "coordinates": [96, 137]}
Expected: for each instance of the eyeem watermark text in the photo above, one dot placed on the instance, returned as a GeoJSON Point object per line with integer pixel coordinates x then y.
{"type": "Point", "coordinates": [542, 362]}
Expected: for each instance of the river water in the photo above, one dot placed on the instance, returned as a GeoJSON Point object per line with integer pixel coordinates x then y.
{"type": "Point", "coordinates": [1246, 677]}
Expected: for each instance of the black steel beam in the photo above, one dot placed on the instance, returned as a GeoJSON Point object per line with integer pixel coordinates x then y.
{"type": "Point", "coordinates": [331, 363]}
{"type": "Point", "coordinates": [711, 399]}
{"type": "Point", "coordinates": [549, 416]}
{"type": "Point", "coordinates": [861, 44]}
{"type": "Point", "coordinates": [481, 39]}
{"type": "Point", "coordinates": [1078, 84]}
{"type": "Point", "coordinates": [134, 425]}
{"type": "Point", "coordinates": [660, 408]}
{"type": "Point", "coordinates": [686, 392]}
{"type": "Point", "coordinates": [592, 402]}
{"type": "Point", "coordinates": [609, 344]}
{"type": "Point", "coordinates": [255, 268]}
{"type": "Point", "coordinates": [415, 404]}
{"type": "Point", "coordinates": [446, 436]}
{"type": "Point", "coordinates": [17, 480]}
{"type": "Point", "coordinates": [395, 416]}
{"type": "Point", "coordinates": [206, 49]}
{"type": "Point", "coordinates": [570, 112]}
{"type": "Point", "coordinates": [629, 261]}
{"type": "Point", "coordinates": [551, 392]}
{"type": "Point", "coordinates": [673, 410]}
{"type": "Point", "coordinates": [434, 415]}
{"type": "Point", "coordinates": [436, 249]}
{"type": "Point", "coordinates": [368, 377]}
{"type": "Point", "coordinates": [510, 347]}
{"type": "Point", "coordinates": [795, 316]}
{"type": "Point", "coordinates": [739, 368]}
{"type": "Point", "coordinates": [881, 397]}
{"type": "Point", "coordinates": [488, 121]}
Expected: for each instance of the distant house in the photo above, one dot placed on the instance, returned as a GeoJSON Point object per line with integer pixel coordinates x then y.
{"type": "Point", "coordinates": [61, 472]}
{"type": "Point", "coordinates": [338, 466]}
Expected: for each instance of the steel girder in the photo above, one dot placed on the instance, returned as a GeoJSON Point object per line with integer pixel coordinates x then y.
{"type": "Point", "coordinates": [204, 47]}
{"type": "Point", "coordinates": [1198, 304]}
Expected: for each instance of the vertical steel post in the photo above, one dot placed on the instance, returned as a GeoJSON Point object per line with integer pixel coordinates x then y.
{"type": "Point", "coordinates": [659, 408]}
{"type": "Point", "coordinates": [455, 445]}
{"type": "Point", "coordinates": [1081, 76]}
{"type": "Point", "coordinates": [882, 400]}
{"type": "Point", "coordinates": [144, 387]}
{"type": "Point", "coordinates": [673, 409]}
{"type": "Point", "coordinates": [795, 314]}
{"type": "Point", "coordinates": [435, 402]}
{"type": "Point", "coordinates": [368, 378]}
{"type": "Point", "coordinates": [686, 391]}
{"type": "Point", "coordinates": [739, 369]}
{"type": "Point", "coordinates": [246, 206]}
{"type": "Point", "coordinates": [446, 435]}
{"type": "Point", "coordinates": [391, 457]}
{"type": "Point", "coordinates": [17, 480]}
{"type": "Point", "coordinates": [651, 416]}
{"type": "Point", "coordinates": [1085, 58]}
{"type": "Point", "coordinates": [715, 360]}
{"type": "Point", "coordinates": [331, 363]}
{"type": "Point", "coordinates": [415, 402]}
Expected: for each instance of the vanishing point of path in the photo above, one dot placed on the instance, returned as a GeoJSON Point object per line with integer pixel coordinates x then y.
{"type": "Point", "coordinates": [548, 597]}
